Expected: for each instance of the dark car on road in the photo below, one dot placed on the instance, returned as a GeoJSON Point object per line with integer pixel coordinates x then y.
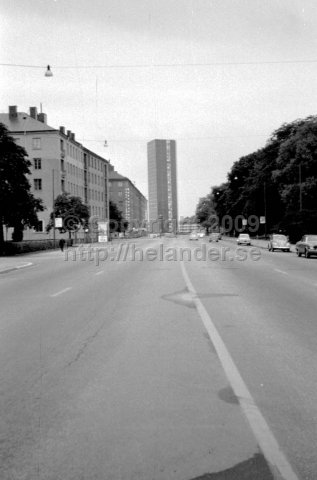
{"type": "Point", "coordinates": [307, 246]}
{"type": "Point", "coordinates": [279, 242]}
{"type": "Point", "coordinates": [214, 237]}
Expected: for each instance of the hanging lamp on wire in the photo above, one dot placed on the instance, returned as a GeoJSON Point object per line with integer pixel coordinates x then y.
{"type": "Point", "coordinates": [48, 72]}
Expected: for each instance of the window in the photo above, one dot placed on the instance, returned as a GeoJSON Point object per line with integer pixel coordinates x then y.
{"type": "Point", "coordinates": [119, 184]}
{"type": "Point", "coordinates": [36, 143]}
{"type": "Point", "coordinates": [37, 184]}
{"type": "Point", "coordinates": [119, 194]}
{"type": "Point", "coordinates": [37, 163]}
{"type": "Point", "coordinates": [39, 227]}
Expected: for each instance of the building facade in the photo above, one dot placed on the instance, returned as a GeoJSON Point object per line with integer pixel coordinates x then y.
{"type": "Point", "coordinates": [162, 184]}
{"type": "Point", "coordinates": [129, 200]}
{"type": "Point", "coordinates": [59, 164]}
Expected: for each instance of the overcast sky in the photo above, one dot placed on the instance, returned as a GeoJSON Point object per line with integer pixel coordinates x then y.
{"type": "Point", "coordinates": [218, 76]}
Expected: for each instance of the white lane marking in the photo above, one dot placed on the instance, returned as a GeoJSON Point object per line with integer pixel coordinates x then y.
{"type": "Point", "coordinates": [61, 292]}
{"type": "Point", "coordinates": [24, 265]}
{"type": "Point", "coordinates": [280, 271]}
{"type": "Point", "coordinates": [266, 440]}
{"type": "Point", "coordinates": [99, 273]}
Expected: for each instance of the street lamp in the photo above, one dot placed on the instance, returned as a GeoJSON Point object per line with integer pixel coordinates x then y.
{"type": "Point", "coordinates": [265, 224]}
{"type": "Point", "coordinates": [300, 186]}
{"type": "Point", "coordinates": [53, 195]}
{"type": "Point", "coordinates": [48, 72]}
{"type": "Point", "coordinates": [161, 224]}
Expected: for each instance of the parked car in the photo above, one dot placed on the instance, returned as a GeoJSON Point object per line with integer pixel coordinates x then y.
{"type": "Point", "coordinates": [214, 237]}
{"type": "Point", "coordinates": [244, 239]}
{"type": "Point", "coordinates": [278, 242]}
{"type": "Point", "coordinates": [193, 236]}
{"type": "Point", "coordinates": [307, 246]}
{"type": "Point", "coordinates": [201, 234]}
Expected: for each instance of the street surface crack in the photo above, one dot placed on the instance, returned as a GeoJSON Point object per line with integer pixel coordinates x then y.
{"type": "Point", "coordinates": [84, 346]}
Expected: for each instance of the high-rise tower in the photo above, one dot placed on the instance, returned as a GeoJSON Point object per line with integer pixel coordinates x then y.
{"type": "Point", "coordinates": [162, 183]}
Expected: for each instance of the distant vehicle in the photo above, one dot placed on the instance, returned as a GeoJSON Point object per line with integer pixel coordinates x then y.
{"type": "Point", "coordinates": [193, 236]}
{"type": "Point", "coordinates": [214, 237]}
{"type": "Point", "coordinates": [244, 239]}
{"type": "Point", "coordinates": [201, 234]}
{"type": "Point", "coordinates": [278, 242]}
{"type": "Point", "coordinates": [307, 246]}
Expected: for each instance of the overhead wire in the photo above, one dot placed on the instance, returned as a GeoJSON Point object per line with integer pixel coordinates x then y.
{"type": "Point", "coordinates": [167, 65]}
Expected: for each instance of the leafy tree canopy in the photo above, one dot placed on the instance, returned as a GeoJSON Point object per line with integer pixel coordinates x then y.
{"type": "Point", "coordinates": [72, 210]}
{"type": "Point", "coordinates": [205, 212]}
{"type": "Point", "coordinates": [279, 179]}
{"type": "Point", "coordinates": [18, 206]}
{"type": "Point", "coordinates": [117, 222]}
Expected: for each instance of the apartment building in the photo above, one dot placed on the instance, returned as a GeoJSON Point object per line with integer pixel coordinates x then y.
{"type": "Point", "coordinates": [128, 198]}
{"type": "Point", "coordinates": [59, 164]}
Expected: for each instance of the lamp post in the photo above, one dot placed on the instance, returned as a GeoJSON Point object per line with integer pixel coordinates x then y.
{"type": "Point", "coordinates": [161, 224]}
{"type": "Point", "coordinates": [53, 195]}
{"type": "Point", "coordinates": [265, 210]}
{"type": "Point", "coordinates": [300, 186]}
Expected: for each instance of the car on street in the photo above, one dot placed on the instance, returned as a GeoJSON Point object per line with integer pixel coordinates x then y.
{"type": "Point", "coordinates": [307, 246]}
{"type": "Point", "coordinates": [193, 236]}
{"type": "Point", "coordinates": [278, 242]}
{"type": "Point", "coordinates": [244, 239]}
{"type": "Point", "coordinates": [214, 237]}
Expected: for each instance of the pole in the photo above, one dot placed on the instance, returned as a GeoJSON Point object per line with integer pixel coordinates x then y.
{"type": "Point", "coordinates": [107, 199]}
{"type": "Point", "coordinates": [53, 195]}
{"type": "Point", "coordinates": [265, 212]}
{"type": "Point", "coordinates": [300, 186]}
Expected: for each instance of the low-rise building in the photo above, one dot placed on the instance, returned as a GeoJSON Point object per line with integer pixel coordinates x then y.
{"type": "Point", "coordinates": [128, 199]}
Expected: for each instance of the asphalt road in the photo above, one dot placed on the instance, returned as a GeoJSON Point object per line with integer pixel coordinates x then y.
{"type": "Point", "coordinates": [108, 372]}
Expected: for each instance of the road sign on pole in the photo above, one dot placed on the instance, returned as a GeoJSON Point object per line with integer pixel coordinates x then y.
{"type": "Point", "coordinates": [58, 222]}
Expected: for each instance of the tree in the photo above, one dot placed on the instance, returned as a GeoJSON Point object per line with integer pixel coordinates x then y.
{"type": "Point", "coordinates": [206, 214]}
{"type": "Point", "coordinates": [73, 212]}
{"type": "Point", "coordinates": [18, 206]}
{"type": "Point", "coordinates": [117, 222]}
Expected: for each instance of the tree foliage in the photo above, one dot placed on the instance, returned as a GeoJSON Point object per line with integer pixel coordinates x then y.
{"type": "Point", "coordinates": [18, 206]}
{"type": "Point", "coordinates": [117, 222]}
{"type": "Point", "coordinates": [72, 210]}
{"type": "Point", "coordinates": [280, 180]}
{"type": "Point", "coordinates": [206, 213]}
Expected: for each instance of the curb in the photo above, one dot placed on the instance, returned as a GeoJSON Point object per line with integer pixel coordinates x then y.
{"type": "Point", "coordinates": [18, 267]}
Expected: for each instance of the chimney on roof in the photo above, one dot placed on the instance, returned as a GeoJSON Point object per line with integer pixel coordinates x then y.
{"type": "Point", "coordinates": [33, 112]}
{"type": "Point", "coordinates": [13, 111]}
{"type": "Point", "coordinates": [72, 136]}
{"type": "Point", "coordinates": [69, 132]}
{"type": "Point", "coordinates": [42, 117]}
{"type": "Point", "coordinates": [62, 130]}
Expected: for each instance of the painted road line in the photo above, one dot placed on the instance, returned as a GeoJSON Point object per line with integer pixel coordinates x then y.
{"type": "Point", "coordinates": [17, 267]}
{"type": "Point", "coordinates": [279, 465]}
{"type": "Point", "coordinates": [61, 292]}
{"type": "Point", "coordinates": [99, 273]}
{"type": "Point", "coordinates": [24, 265]}
{"type": "Point", "coordinates": [280, 271]}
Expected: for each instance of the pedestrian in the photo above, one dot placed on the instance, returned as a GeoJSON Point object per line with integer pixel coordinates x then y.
{"type": "Point", "coordinates": [61, 244]}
